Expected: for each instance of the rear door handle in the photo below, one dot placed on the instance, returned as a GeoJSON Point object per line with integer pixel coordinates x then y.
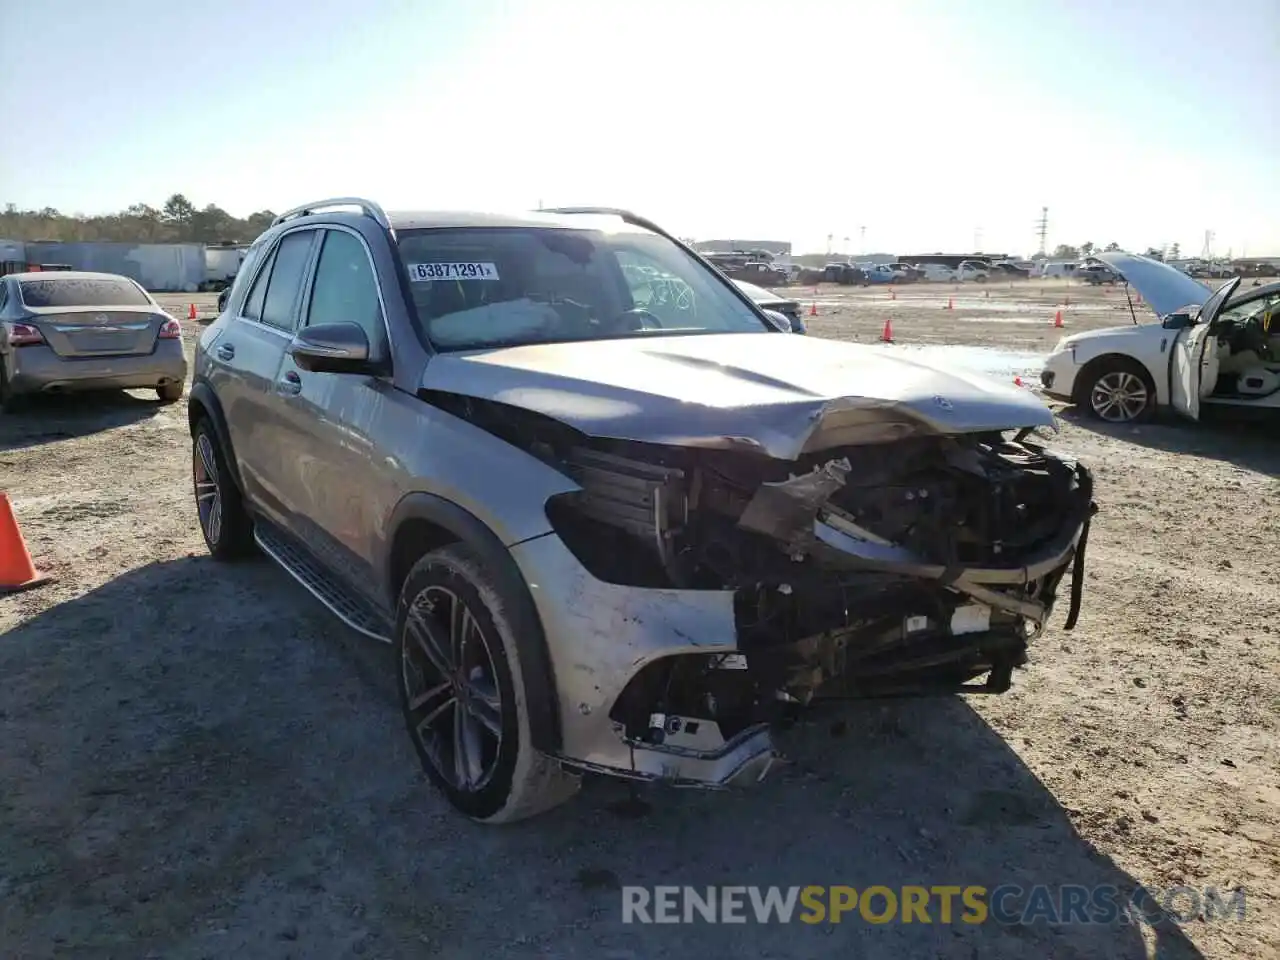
{"type": "Point", "coordinates": [226, 351]}
{"type": "Point", "coordinates": [290, 384]}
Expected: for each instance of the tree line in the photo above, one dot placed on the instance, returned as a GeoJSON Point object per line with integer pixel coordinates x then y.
{"type": "Point", "coordinates": [181, 221]}
{"type": "Point", "coordinates": [178, 221]}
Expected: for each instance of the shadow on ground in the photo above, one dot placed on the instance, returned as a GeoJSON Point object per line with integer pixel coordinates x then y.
{"type": "Point", "coordinates": [199, 762]}
{"type": "Point", "coordinates": [1253, 445]}
{"type": "Point", "coordinates": [46, 418]}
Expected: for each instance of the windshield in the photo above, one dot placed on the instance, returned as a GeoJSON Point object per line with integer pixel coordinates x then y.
{"type": "Point", "coordinates": [1210, 309]}
{"type": "Point", "coordinates": [477, 287]}
{"type": "Point", "coordinates": [1259, 308]}
{"type": "Point", "coordinates": [82, 292]}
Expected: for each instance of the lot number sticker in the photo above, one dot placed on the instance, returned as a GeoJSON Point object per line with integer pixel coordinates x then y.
{"type": "Point", "coordinates": [452, 271]}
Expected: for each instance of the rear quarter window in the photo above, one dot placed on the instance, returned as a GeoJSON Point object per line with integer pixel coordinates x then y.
{"type": "Point", "coordinates": [79, 292]}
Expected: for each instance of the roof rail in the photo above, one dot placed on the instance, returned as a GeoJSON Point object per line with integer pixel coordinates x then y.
{"type": "Point", "coordinates": [367, 207]}
{"type": "Point", "coordinates": [625, 215]}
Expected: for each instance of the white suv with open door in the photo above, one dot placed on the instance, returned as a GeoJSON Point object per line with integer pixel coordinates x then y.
{"type": "Point", "coordinates": [1210, 347]}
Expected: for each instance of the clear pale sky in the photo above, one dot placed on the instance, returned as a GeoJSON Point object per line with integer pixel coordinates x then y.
{"type": "Point", "coordinates": [923, 121]}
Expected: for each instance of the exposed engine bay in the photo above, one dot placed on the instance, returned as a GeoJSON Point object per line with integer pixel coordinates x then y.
{"type": "Point", "coordinates": [906, 568]}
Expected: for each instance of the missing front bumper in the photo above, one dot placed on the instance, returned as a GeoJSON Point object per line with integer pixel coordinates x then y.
{"type": "Point", "coordinates": [742, 761]}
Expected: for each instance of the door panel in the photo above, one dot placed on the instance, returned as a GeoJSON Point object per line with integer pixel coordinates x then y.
{"type": "Point", "coordinates": [335, 473]}
{"type": "Point", "coordinates": [246, 359]}
{"type": "Point", "coordinates": [1193, 369]}
{"type": "Point", "coordinates": [261, 336]}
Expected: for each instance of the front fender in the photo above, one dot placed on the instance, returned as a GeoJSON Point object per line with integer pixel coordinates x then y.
{"type": "Point", "coordinates": [1152, 356]}
{"type": "Point", "coordinates": [534, 659]}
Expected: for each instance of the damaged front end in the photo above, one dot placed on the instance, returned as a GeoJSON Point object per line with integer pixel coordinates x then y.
{"type": "Point", "coordinates": [921, 565]}
{"type": "Point", "coordinates": [909, 568]}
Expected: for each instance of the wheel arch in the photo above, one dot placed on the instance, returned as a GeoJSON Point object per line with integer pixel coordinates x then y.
{"type": "Point", "coordinates": [203, 404]}
{"type": "Point", "coordinates": [422, 522]}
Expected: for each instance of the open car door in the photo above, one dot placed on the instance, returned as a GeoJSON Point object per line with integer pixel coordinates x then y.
{"type": "Point", "coordinates": [1193, 358]}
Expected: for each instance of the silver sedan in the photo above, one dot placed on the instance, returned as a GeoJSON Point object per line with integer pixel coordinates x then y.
{"type": "Point", "coordinates": [69, 330]}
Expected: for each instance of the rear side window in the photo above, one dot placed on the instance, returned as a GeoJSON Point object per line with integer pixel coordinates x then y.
{"type": "Point", "coordinates": [245, 270]}
{"type": "Point", "coordinates": [253, 302]}
{"type": "Point", "coordinates": [82, 292]}
{"type": "Point", "coordinates": [345, 290]}
{"type": "Point", "coordinates": [280, 282]}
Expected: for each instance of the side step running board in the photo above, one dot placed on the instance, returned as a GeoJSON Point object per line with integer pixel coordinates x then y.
{"type": "Point", "coordinates": [353, 610]}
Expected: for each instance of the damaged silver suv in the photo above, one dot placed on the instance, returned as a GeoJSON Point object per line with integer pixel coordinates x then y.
{"type": "Point", "coordinates": [610, 520]}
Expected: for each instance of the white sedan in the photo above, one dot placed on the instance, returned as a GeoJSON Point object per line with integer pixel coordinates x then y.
{"type": "Point", "coordinates": [1209, 347]}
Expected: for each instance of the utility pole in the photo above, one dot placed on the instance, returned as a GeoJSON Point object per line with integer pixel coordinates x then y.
{"type": "Point", "coordinates": [862, 239]}
{"type": "Point", "coordinates": [1042, 229]}
{"type": "Point", "coordinates": [829, 239]}
{"type": "Point", "coordinates": [1207, 252]}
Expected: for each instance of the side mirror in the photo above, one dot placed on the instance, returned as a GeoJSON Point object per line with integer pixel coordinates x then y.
{"type": "Point", "coordinates": [780, 321]}
{"type": "Point", "coordinates": [1177, 321]}
{"type": "Point", "coordinates": [331, 348]}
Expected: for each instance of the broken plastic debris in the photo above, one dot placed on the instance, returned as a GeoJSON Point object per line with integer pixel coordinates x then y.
{"type": "Point", "coordinates": [785, 510]}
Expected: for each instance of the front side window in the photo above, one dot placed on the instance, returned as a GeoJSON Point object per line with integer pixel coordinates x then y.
{"type": "Point", "coordinates": [82, 292]}
{"type": "Point", "coordinates": [345, 290]}
{"type": "Point", "coordinates": [478, 287]}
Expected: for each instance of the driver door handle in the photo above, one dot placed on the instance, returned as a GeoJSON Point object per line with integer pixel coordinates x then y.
{"type": "Point", "coordinates": [226, 351]}
{"type": "Point", "coordinates": [289, 384]}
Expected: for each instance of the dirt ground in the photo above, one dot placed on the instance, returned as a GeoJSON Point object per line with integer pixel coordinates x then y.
{"type": "Point", "coordinates": [197, 761]}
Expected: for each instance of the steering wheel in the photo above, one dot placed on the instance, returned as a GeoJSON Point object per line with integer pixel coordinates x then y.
{"type": "Point", "coordinates": [637, 318]}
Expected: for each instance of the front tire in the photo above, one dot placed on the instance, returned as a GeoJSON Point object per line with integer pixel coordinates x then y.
{"type": "Point", "coordinates": [224, 522]}
{"type": "Point", "coordinates": [1118, 391]}
{"type": "Point", "coordinates": [462, 691]}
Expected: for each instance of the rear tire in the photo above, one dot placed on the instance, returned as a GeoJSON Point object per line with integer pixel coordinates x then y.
{"type": "Point", "coordinates": [462, 691]}
{"type": "Point", "coordinates": [224, 522]}
{"type": "Point", "coordinates": [171, 392]}
{"type": "Point", "coordinates": [9, 401]}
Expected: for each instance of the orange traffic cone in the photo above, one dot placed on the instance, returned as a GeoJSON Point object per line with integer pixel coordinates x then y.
{"type": "Point", "coordinates": [1017, 381]}
{"type": "Point", "coordinates": [17, 572]}
{"type": "Point", "coordinates": [893, 294]}
{"type": "Point", "coordinates": [951, 304]}
{"type": "Point", "coordinates": [191, 314]}
{"type": "Point", "coordinates": [813, 309]}
{"type": "Point", "coordinates": [886, 336]}
{"type": "Point", "coordinates": [1057, 319]}
{"type": "Point", "coordinates": [1139, 298]}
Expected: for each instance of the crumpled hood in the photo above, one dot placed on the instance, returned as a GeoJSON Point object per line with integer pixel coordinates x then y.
{"type": "Point", "coordinates": [779, 395]}
{"type": "Point", "coordinates": [1162, 286]}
